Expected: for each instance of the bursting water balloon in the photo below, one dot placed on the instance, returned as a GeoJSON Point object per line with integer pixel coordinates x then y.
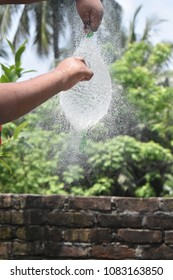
{"type": "Point", "coordinates": [88, 102]}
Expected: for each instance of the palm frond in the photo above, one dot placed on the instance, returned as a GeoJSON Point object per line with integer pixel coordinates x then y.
{"type": "Point", "coordinates": [23, 28]}
{"type": "Point", "coordinates": [132, 34]}
{"type": "Point", "coordinates": [149, 26]}
{"type": "Point", "coordinates": [5, 20]}
{"type": "Point", "coordinates": [59, 15]}
{"type": "Point", "coordinates": [43, 36]}
{"type": "Point", "coordinates": [8, 15]}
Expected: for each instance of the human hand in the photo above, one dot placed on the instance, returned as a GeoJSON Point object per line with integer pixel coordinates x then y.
{"type": "Point", "coordinates": [73, 70]}
{"type": "Point", "coordinates": [91, 13]}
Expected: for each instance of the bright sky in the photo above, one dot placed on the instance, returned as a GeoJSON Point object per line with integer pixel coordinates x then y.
{"type": "Point", "coordinates": [162, 9]}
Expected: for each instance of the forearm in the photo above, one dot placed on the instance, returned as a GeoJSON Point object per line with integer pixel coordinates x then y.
{"type": "Point", "coordinates": [17, 99]}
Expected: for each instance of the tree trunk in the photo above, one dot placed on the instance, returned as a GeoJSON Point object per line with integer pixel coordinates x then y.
{"type": "Point", "coordinates": [56, 24]}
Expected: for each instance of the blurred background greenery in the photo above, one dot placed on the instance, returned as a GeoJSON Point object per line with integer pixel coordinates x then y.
{"type": "Point", "coordinates": [129, 153]}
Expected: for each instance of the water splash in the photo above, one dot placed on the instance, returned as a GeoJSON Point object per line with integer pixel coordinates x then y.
{"type": "Point", "coordinates": [88, 102]}
{"type": "Point", "coordinates": [97, 115]}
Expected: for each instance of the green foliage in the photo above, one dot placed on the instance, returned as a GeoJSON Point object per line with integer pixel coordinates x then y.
{"type": "Point", "coordinates": [117, 166]}
{"type": "Point", "coordinates": [3, 156]}
{"type": "Point", "coordinates": [103, 186]}
{"type": "Point", "coordinates": [32, 164]}
{"type": "Point", "coordinates": [13, 72]}
{"type": "Point", "coordinates": [7, 154]}
{"type": "Point", "coordinates": [141, 72]}
{"type": "Point", "coordinates": [37, 155]}
{"type": "Point", "coordinates": [143, 85]}
{"type": "Point", "coordinates": [131, 163]}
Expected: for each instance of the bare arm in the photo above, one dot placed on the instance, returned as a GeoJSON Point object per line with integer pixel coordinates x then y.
{"type": "Point", "coordinates": [17, 99]}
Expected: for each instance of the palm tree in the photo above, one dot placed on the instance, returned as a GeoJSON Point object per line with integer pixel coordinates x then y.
{"type": "Point", "coordinates": [132, 36]}
{"type": "Point", "coordinates": [5, 19]}
{"type": "Point", "coordinates": [48, 18]}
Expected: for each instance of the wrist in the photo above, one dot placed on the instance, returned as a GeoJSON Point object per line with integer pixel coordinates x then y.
{"type": "Point", "coordinates": [60, 78]}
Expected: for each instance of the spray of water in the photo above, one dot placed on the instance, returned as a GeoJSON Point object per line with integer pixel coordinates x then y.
{"type": "Point", "coordinates": [86, 103]}
{"type": "Point", "coordinates": [90, 105]}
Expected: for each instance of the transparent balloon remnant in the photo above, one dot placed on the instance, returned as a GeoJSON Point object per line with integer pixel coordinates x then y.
{"type": "Point", "coordinates": [88, 102]}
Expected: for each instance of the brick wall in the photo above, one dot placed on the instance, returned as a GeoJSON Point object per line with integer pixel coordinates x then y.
{"type": "Point", "coordinates": [59, 227]}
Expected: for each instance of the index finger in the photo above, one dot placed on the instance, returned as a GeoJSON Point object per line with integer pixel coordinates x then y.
{"type": "Point", "coordinates": [95, 19]}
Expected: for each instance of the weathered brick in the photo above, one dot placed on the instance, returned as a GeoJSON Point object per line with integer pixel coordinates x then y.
{"type": "Point", "coordinates": [54, 234]}
{"type": "Point", "coordinates": [17, 217]}
{"type": "Point", "coordinates": [140, 235]}
{"type": "Point", "coordinates": [78, 235]}
{"type": "Point", "coordinates": [7, 201]}
{"type": "Point", "coordinates": [4, 250]}
{"type": "Point", "coordinates": [6, 232]}
{"type": "Point", "coordinates": [35, 217]}
{"type": "Point", "coordinates": [158, 252]}
{"type": "Point", "coordinates": [11, 200]}
{"type": "Point", "coordinates": [21, 233]}
{"type": "Point", "coordinates": [1, 217]}
{"type": "Point", "coordinates": [90, 203]}
{"type": "Point", "coordinates": [18, 201]}
{"type": "Point", "coordinates": [1, 201]}
{"type": "Point", "coordinates": [71, 219]}
{"type": "Point", "coordinates": [166, 204]}
{"type": "Point", "coordinates": [136, 204]}
{"type": "Point", "coordinates": [36, 232]}
{"type": "Point", "coordinates": [75, 251]}
{"type": "Point", "coordinates": [158, 220]}
{"type": "Point", "coordinates": [5, 216]}
{"type": "Point", "coordinates": [56, 227]}
{"type": "Point", "coordinates": [35, 248]}
{"type": "Point", "coordinates": [19, 248]}
{"type": "Point", "coordinates": [169, 237]}
{"type": "Point", "coordinates": [33, 201]}
{"type": "Point", "coordinates": [117, 220]}
{"type": "Point", "coordinates": [11, 217]}
{"type": "Point", "coordinates": [54, 201]}
{"type": "Point", "coordinates": [63, 250]}
{"type": "Point", "coordinates": [112, 251]}
{"type": "Point", "coordinates": [88, 235]}
{"type": "Point", "coordinates": [42, 233]}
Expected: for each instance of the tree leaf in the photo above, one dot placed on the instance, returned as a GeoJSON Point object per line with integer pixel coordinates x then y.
{"type": "Point", "coordinates": [3, 162]}
{"type": "Point", "coordinates": [19, 54]}
{"type": "Point", "coordinates": [19, 129]}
